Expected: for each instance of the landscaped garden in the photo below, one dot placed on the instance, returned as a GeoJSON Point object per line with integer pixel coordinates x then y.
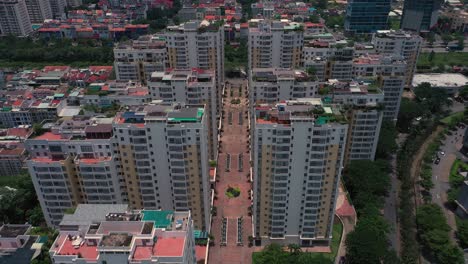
{"type": "Point", "coordinates": [232, 192]}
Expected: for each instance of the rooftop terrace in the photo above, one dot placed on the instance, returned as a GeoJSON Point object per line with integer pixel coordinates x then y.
{"type": "Point", "coordinates": [13, 230]}
{"type": "Point", "coordinates": [116, 240]}
{"type": "Point", "coordinates": [175, 113]}
{"type": "Point", "coordinates": [275, 74]}
{"type": "Point", "coordinates": [305, 108]}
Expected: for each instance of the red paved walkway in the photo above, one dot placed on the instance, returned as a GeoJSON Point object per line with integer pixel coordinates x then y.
{"type": "Point", "coordinates": [233, 141]}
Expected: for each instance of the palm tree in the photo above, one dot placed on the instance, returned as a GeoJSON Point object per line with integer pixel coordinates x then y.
{"type": "Point", "coordinates": [294, 248]}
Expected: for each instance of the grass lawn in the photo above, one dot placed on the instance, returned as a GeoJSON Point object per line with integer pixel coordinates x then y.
{"type": "Point", "coordinates": [449, 58]}
{"type": "Point", "coordinates": [337, 231]}
{"type": "Point", "coordinates": [453, 117]}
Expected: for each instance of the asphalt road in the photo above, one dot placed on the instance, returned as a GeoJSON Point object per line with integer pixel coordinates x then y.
{"type": "Point", "coordinates": [440, 172]}
{"type": "Point", "coordinates": [390, 210]}
{"type": "Point", "coordinates": [441, 49]}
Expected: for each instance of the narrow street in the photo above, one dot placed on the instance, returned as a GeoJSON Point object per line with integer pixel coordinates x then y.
{"type": "Point", "coordinates": [234, 141]}
{"type": "Point", "coordinates": [390, 210]}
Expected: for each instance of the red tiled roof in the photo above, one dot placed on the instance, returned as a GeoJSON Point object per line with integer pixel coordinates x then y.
{"type": "Point", "coordinates": [200, 252]}
{"type": "Point", "coordinates": [49, 136]}
{"type": "Point", "coordinates": [169, 246]}
{"type": "Point", "coordinates": [86, 252]}
{"type": "Point", "coordinates": [18, 132]}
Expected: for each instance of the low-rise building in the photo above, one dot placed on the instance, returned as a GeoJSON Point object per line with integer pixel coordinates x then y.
{"type": "Point", "coordinates": [120, 237]}
{"type": "Point", "coordinates": [12, 151]}
{"type": "Point", "coordinates": [16, 244]}
{"type": "Point", "coordinates": [452, 83]}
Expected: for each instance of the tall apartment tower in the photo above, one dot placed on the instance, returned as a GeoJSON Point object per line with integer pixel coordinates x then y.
{"type": "Point", "coordinates": [420, 15]}
{"type": "Point", "coordinates": [400, 43]}
{"type": "Point", "coordinates": [39, 10]}
{"type": "Point", "coordinates": [194, 87]}
{"type": "Point", "coordinates": [136, 61]}
{"type": "Point", "coordinates": [364, 104]}
{"type": "Point", "coordinates": [162, 150]}
{"type": "Point", "coordinates": [330, 61]}
{"type": "Point", "coordinates": [388, 72]}
{"type": "Point", "coordinates": [275, 44]}
{"type": "Point", "coordinates": [272, 85]}
{"type": "Point", "coordinates": [73, 164]}
{"type": "Point", "coordinates": [14, 18]}
{"type": "Point", "coordinates": [298, 159]}
{"type": "Point", "coordinates": [151, 157]}
{"type": "Point", "coordinates": [366, 16]}
{"type": "Point", "coordinates": [58, 8]}
{"type": "Point", "coordinates": [197, 45]}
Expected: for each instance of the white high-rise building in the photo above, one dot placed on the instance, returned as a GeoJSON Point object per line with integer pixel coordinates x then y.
{"type": "Point", "coordinates": [14, 18]}
{"type": "Point", "coordinates": [39, 10]}
{"type": "Point", "coordinates": [387, 72]}
{"type": "Point", "coordinates": [400, 43]}
{"type": "Point", "coordinates": [271, 85]}
{"type": "Point", "coordinates": [151, 157]}
{"type": "Point", "coordinates": [163, 152]}
{"type": "Point", "coordinates": [194, 86]}
{"type": "Point", "coordinates": [58, 8]}
{"type": "Point", "coordinates": [298, 152]}
{"type": "Point", "coordinates": [328, 60]}
{"type": "Point", "coordinates": [137, 60]}
{"type": "Point", "coordinates": [364, 104]}
{"type": "Point", "coordinates": [197, 44]}
{"type": "Point", "coordinates": [74, 163]}
{"type": "Point", "coordinates": [275, 44]}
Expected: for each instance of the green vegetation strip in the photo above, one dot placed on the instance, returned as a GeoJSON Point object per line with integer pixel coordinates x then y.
{"type": "Point", "coordinates": [455, 180]}
{"type": "Point", "coordinates": [276, 254]}
{"type": "Point", "coordinates": [453, 118]}
{"type": "Point", "coordinates": [446, 58]}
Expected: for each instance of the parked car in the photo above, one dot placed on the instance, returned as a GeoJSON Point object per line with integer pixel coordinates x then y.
{"type": "Point", "coordinates": [437, 161]}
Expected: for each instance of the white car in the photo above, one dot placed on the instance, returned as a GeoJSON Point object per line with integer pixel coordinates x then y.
{"type": "Point", "coordinates": [442, 153]}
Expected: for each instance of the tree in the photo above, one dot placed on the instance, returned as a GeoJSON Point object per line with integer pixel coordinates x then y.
{"type": "Point", "coordinates": [367, 243]}
{"type": "Point", "coordinates": [307, 258]}
{"type": "Point", "coordinates": [433, 232]}
{"type": "Point", "coordinates": [387, 144]}
{"type": "Point", "coordinates": [446, 38]}
{"type": "Point", "coordinates": [431, 56]}
{"type": "Point", "coordinates": [272, 253]}
{"type": "Point", "coordinates": [450, 254]}
{"type": "Point", "coordinates": [432, 99]}
{"type": "Point", "coordinates": [462, 233]}
{"type": "Point", "coordinates": [314, 19]}
{"type": "Point", "coordinates": [464, 92]}
{"type": "Point", "coordinates": [430, 38]}
{"type": "Point", "coordinates": [36, 217]}
{"type": "Point", "coordinates": [367, 180]}
{"type": "Point", "coordinates": [409, 110]}
{"type": "Point", "coordinates": [294, 248]}
{"type": "Point", "coordinates": [321, 4]}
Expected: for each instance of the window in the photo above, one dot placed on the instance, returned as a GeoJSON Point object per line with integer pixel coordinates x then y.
{"type": "Point", "coordinates": [86, 148]}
